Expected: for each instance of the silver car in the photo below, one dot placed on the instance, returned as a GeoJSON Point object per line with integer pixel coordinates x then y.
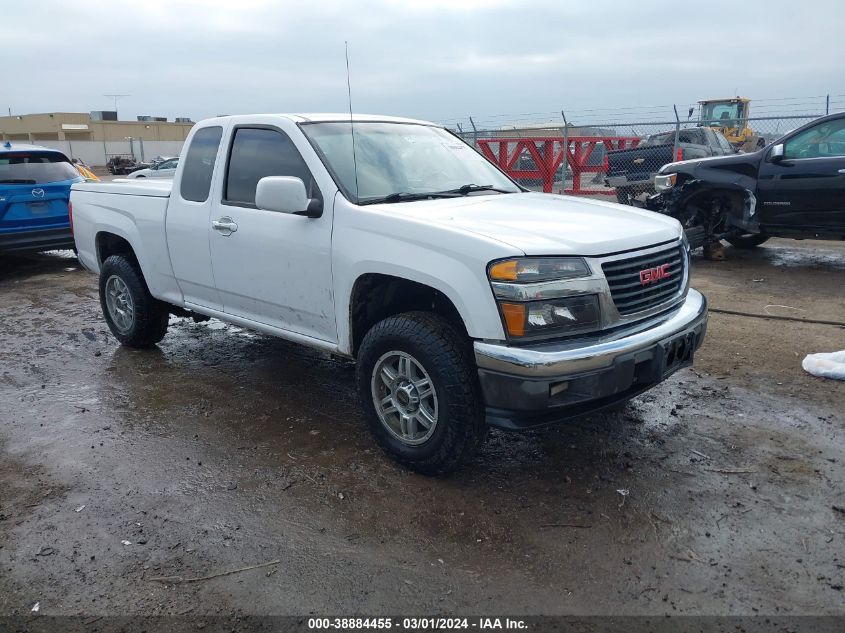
{"type": "Point", "coordinates": [164, 169]}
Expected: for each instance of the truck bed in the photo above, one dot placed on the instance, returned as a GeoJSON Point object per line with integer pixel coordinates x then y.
{"type": "Point", "coordinates": [134, 211]}
{"type": "Point", "coordinates": [155, 187]}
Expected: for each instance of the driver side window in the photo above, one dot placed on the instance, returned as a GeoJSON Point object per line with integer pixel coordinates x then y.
{"type": "Point", "coordinates": [826, 139]}
{"type": "Point", "coordinates": [260, 152]}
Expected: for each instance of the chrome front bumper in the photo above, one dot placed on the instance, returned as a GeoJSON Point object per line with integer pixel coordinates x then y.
{"type": "Point", "coordinates": [529, 386]}
{"type": "Point", "coordinates": [554, 360]}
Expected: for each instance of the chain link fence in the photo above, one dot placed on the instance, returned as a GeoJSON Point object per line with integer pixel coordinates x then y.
{"type": "Point", "coordinates": [618, 159]}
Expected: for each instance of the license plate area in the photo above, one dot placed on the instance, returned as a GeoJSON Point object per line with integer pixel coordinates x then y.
{"type": "Point", "coordinates": [677, 352]}
{"type": "Point", "coordinates": [40, 207]}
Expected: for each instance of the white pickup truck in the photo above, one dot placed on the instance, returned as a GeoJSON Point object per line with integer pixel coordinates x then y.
{"type": "Point", "coordinates": [466, 301]}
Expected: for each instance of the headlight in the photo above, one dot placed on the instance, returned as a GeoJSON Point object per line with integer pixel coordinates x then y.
{"type": "Point", "coordinates": [533, 269]}
{"type": "Point", "coordinates": [664, 182]}
{"type": "Point", "coordinates": [570, 315]}
{"type": "Point", "coordinates": [545, 296]}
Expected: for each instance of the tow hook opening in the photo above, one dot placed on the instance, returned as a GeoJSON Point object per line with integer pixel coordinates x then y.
{"type": "Point", "coordinates": [679, 351]}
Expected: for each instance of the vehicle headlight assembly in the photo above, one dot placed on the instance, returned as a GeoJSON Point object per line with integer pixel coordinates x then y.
{"type": "Point", "coordinates": [664, 182]}
{"type": "Point", "coordinates": [533, 269]}
{"type": "Point", "coordinates": [569, 315]}
{"type": "Point", "coordinates": [542, 296]}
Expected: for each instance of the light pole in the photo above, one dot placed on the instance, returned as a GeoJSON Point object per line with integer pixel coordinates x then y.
{"type": "Point", "coordinates": [116, 97]}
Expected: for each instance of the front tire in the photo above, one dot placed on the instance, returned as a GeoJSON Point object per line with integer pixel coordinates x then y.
{"type": "Point", "coordinates": [420, 392]}
{"type": "Point", "coordinates": [134, 316]}
{"type": "Point", "coordinates": [752, 240]}
{"type": "Point", "coordinates": [623, 195]}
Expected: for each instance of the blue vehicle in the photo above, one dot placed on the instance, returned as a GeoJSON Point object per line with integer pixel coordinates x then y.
{"type": "Point", "coordinates": [34, 192]}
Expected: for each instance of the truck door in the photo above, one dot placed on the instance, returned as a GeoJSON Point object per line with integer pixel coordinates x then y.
{"type": "Point", "coordinates": [189, 217]}
{"type": "Point", "coordinates": [271, 268]}
{"type": "Point", "coordinates": [805, 189]}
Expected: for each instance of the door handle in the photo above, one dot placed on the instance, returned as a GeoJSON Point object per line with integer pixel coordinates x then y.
{"type": "Point", "coordinates": [224, 225]}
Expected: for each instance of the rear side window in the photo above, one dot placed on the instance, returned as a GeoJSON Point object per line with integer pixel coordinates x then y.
{"type": "Point", "coordinates": [33, 168]}
{"type": "Point", "coordinates": [690, 136]}
{"type": "Point", "coordinates": [199, 164]}
{"type": "Point", "coordinates": [660, 139]}
{"type": "Point", "coordinates": [260, 152]}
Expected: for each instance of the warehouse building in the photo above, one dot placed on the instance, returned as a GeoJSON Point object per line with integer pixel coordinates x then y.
{"type": "Point", "coordinates": [96, 126]}
{"type": "Point", "coordinates": [97, 136]}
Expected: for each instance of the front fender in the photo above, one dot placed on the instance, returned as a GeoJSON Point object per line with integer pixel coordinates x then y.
{"type": "Point", "coordinates": [447, 268]}
{"type": "Point", "coordinates": [741, 216]}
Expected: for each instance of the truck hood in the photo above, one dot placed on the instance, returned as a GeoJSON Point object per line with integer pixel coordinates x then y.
{"type": "Point", "coordinates": [546, 224]}
{"type": "Point", "coordinates": [732, 162]}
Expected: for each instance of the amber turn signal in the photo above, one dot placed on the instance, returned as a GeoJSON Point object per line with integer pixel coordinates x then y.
{"type": "Point", "coordinates": [514, 314]}
{"type": "Point", "coordinates": [504, 271]}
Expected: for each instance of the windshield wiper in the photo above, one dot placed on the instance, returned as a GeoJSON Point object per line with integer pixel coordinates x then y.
{"type": "Point", "coordinates": [405, 196]}
{"type": "Point", "coordinates": [17, 181]}
{"type": "Point", "coordinates": [472, 187]}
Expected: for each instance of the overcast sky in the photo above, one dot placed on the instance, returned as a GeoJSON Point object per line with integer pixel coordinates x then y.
{"type": "Point", "coordinates": [435, 59]}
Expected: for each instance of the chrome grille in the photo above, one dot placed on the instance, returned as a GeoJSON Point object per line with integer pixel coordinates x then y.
{"type": "Point", "coordinates": [628, 292]}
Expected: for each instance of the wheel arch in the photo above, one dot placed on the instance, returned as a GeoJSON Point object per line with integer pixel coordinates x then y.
{"type": "Point", "coordinates": [376, 296]}
{"type": "Point", "coordinates": [110, 243]}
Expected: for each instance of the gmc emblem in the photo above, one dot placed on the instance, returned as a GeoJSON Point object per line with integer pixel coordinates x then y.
{"type": "Point", "coordinates": [650, 275]}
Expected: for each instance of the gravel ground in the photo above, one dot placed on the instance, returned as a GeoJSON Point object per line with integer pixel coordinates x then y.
{"type": "Point", "coordinates": [128, 477]}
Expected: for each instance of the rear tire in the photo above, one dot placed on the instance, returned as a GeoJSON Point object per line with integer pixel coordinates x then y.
{"type": "Point", "coordinates": [752, 240]}
{"type": "Point", "coordinates": [419, 389]}
{"type": "Point", "coordinates": [134, 316]}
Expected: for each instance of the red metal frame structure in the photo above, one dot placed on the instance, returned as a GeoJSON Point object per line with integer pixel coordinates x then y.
{"type": "Point", "coordinates": [547, 153]}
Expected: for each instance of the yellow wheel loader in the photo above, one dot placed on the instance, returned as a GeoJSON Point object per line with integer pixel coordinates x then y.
{"type": "Point", "coordinates": [730, 117]}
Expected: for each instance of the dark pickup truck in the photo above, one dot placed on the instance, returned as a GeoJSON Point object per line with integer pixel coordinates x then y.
{"type": "Point", "coordinates": [631, 171]}
{"type": "Point", "coordinates": [794, 188]}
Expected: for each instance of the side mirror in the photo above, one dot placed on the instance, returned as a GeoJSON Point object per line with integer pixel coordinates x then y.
{"type": "Point", "coordinates": [286, 194]}
{"type": "Point", "coordinates": [776, 153]}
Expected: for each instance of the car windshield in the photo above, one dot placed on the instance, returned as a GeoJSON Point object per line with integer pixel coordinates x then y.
{"type": "Point", "coordinates": [28, 168]}
{"type": "Point", "coordinates": [403, 161]}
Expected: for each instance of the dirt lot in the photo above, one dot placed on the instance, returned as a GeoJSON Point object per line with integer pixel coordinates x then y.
{"type": "Point", "coordinates": [712, 494]}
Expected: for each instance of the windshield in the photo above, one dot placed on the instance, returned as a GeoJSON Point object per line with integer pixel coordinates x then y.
{"type": "Point", "coordinates": [721, 114]}
{"type": "Point", "coordinates": [27, 168]}
{"type": "Point", "coordinates": [402, 158]}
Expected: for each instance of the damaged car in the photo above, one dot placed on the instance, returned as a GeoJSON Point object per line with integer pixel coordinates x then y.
{"type": "Point", "coordinates": [793, 188]}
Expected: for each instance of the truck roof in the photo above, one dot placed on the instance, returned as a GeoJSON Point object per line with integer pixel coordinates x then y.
{"type": "Point", "coordinates": [318, 117]}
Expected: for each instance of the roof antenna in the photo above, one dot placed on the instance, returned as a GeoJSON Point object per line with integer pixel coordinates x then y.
{"type": "Point", "coordinates": [351, 126]}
